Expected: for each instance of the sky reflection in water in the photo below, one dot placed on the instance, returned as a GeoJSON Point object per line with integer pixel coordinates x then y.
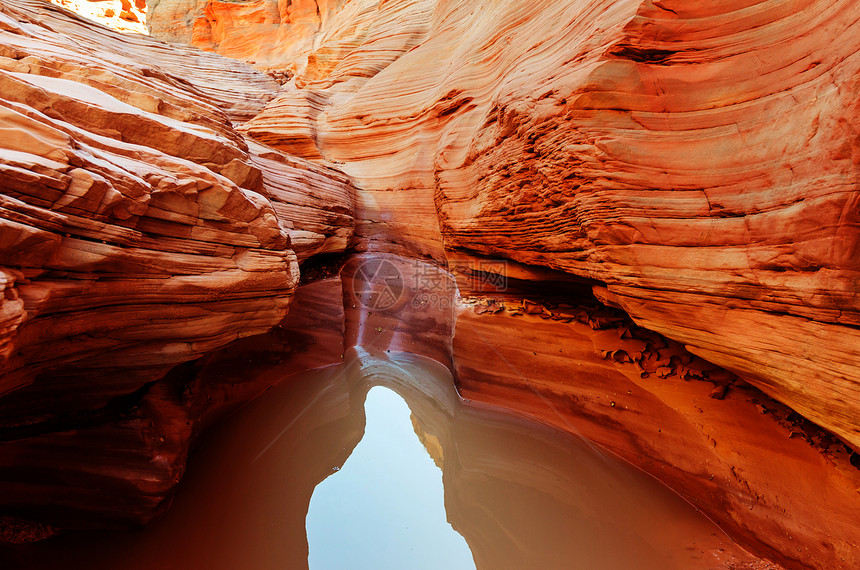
{"type": "Point", "coordinates": [385, 507]}
{"type": "Point", "coordinates": [264, 490]}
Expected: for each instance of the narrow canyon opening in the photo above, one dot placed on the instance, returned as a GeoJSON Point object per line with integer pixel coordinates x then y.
{"type": "Point", "coordinates": [429, 283]}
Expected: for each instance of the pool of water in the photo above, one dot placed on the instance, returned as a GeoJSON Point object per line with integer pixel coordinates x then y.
{"type": "Point", "coordinates": [379, 464]}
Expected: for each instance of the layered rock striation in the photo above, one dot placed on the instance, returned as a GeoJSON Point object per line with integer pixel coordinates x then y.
{"type": "Point", "coordinates": [695, 166]}
{"type": "Point", "coordinates": [699, 162]}
{"type": "Point", "coordinates": [139, 230]}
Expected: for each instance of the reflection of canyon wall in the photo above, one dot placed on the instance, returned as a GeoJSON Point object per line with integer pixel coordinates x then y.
{"type": "Point", "coordinates": [139, 230]}
{"type": "Point", "coordinates": [527, 496]}
{"type": "Point", "coordinates": [742, 458]}
{"type": "Point", "coordinates": [699, 160]}
{"type": "Point", "coordinates": [247, 490]}
{"type": "Point", "coordinates": [746, 461]}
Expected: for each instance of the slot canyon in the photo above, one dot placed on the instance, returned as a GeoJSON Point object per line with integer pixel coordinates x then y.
{"type": "Point", "coordinates": [547, 284]}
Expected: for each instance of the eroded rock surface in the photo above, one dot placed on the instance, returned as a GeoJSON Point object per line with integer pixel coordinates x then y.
{"type": "Point", "coordinates": [693, 165]}
{"type": "Point", "coordinates": [699, 161]}
{"type": "Point", "coordinates": [272, 33]}
{"type": "Point", "coordinates": [138, 230]}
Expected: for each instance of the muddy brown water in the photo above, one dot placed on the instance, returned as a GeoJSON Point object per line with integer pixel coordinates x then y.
{"type": "Point", "coordinates": [379, 464]}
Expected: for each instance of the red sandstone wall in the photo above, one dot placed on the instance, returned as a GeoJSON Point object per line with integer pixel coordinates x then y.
{"type": "Point", "coordinates": [700, 161]}
{"type": "Point", "coordinates": [138, 230]}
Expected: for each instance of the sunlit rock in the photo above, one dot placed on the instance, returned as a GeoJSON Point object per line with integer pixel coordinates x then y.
{"type": "Point", "coordinates": [121, 15]}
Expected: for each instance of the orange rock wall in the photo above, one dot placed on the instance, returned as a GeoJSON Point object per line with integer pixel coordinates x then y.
{"type": "Point", "coordinates": [138, 230]}
{"type": "Point", "coordinates": [741, 458]}
{"type": "Point", "coordinates": [139, 226]}
{"type": "Point", "coordinates": [271, 33]}
{"type": "Point", "coordinates": [699, 161]}
{"type": "Point", "coordinates": [696, 164]}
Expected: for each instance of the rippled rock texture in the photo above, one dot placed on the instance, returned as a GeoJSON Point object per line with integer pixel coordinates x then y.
{"type": "Point", "coordinates": [139, 230]}
{"type": "Point", "coordinates": [700, 161]}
